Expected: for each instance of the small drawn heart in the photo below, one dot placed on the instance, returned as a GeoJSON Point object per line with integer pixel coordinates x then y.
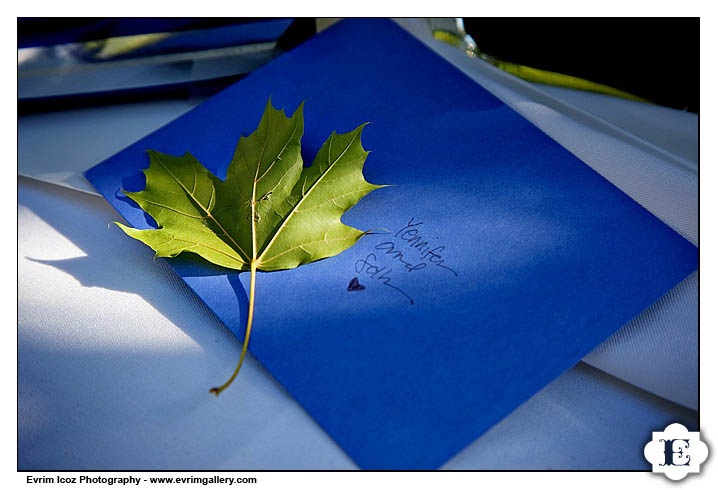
{"type": "Point", "coordinates": [354, 285]}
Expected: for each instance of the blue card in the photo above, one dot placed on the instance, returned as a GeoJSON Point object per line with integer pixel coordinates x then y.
{"type": "Point", "coordinates": [506, 258]}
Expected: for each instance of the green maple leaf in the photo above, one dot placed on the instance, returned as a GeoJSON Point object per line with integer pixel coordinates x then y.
{"type": "Point", "coordinates": [271, 212]}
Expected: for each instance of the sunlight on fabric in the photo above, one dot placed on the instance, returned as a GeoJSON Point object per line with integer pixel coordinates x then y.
{"type": "Point", "coordinates": [104, 305]}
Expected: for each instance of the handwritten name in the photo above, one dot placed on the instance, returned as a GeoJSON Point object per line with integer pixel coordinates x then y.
{"type": "Point", "coordinates": [409, 250]}
{"type": "Point", "coordinates": [369, 266]}
{"type": "Point", "coordinates": [410, 235]}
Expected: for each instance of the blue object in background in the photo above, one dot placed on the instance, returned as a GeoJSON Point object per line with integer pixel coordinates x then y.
{"type": "Point", "coordinates": [534, 257]}
{"type": "Point", "coordinates": [174, 65]}
{"type": "Point", "coordinates": [214, 38]}
{"type": "Point", "coordinates": [47, 31]}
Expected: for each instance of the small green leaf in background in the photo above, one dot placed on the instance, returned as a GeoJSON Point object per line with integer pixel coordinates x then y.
{"type": "Point", "coordinates": [271, 213]}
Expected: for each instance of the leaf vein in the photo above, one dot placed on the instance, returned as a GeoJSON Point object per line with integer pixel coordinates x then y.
{"type": "Point", "coordinates": [291, 249]}
{"type": "Point", "coordinates": [200, 244]}
{"type": "Point", "coordinates": [173, 209]}
{"type": "Point", "coordinates": [279, 155]}
{"type": "Point", "coordinates": [203, 208]}
{"type": "Point", "coordinates": [314, 186]}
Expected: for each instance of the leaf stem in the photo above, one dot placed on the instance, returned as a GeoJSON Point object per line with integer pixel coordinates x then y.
{"type": "Point", "coordinates": [253, 269]}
